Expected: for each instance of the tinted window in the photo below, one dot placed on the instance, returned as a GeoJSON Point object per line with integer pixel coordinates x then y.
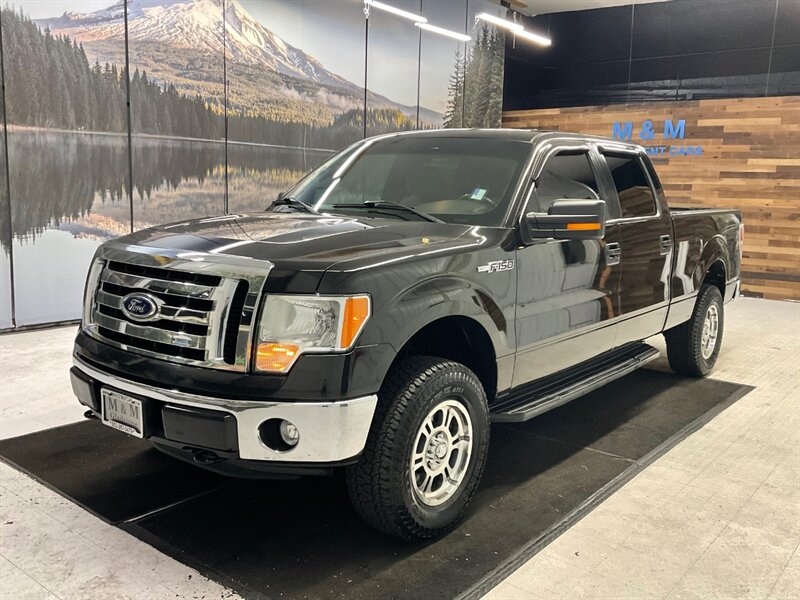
{"type": "Point", "coordinates": [655, 181]}
{"type": "Point", "coordinates": [633, 188]}
{"type": "Point", "coordinates": [458, 180]}
{"type": "Point", "coordinates": [311, 187]}
{"type": "Point", "coordinates": [566, 175]}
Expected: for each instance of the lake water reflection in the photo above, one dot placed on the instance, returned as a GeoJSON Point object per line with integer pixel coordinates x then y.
{"type": "Point", "coordinates": [69, 193]}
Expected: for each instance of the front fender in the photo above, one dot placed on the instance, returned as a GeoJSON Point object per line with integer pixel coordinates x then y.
{"type": "Point", "coordinates": [442, 297]}
{"type": "Point", "coordinates": [411, 292]}
{"type": "Point", "coordinates": [437, 299]}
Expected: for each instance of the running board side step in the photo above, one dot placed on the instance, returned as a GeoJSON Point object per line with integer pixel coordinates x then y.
{"type": "Point", "coordinates": [550, 392]}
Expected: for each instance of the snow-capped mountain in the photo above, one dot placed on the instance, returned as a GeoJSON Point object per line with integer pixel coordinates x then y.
{"type": "Point", "coordinates": [196, 25]}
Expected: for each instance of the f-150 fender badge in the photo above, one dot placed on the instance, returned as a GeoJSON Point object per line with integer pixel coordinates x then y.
{"type": "Point", "coordinates": [496, 266]}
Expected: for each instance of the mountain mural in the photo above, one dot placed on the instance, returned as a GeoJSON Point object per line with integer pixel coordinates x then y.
{"type": "Point", "coordinates": [76, 178]}
{"type": "Point", "coordinates": [181, 42]}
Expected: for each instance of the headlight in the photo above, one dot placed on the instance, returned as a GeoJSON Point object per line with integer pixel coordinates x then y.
{"type": "Point", "coordinates": [293, 325]}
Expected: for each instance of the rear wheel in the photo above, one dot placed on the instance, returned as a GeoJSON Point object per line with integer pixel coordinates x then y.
{"type": "Point", "coordinates": [693, 347]}
{"type": "Point", "coordinates": [425, 451]}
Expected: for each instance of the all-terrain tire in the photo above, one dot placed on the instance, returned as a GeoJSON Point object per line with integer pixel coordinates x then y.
{"type": "Point", "coordinates": [380, 484]}
{"type": "Point", "coordinates": [685, 342]}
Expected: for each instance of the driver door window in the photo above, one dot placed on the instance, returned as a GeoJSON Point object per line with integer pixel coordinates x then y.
{"type": "Point", "coordinates": [566, 175]}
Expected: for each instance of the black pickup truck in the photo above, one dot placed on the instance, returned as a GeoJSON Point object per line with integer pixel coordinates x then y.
{"type": "Point", "coordinates": [382, 312]}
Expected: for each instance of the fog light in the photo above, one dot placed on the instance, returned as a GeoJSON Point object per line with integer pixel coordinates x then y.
{"type": "Point", "coordinates": [279, 435]}
{"type": "Point", "coordinates": [289, 433]}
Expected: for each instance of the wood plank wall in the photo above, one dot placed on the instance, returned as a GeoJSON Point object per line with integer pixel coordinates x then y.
{"type": "Point", "coordinates": [750, 160]}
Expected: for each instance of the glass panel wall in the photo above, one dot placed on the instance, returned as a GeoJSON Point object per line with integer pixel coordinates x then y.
{"type": "Point", "coordinates": [6, 310]}
{"type": "Point", "coordinates": [177, 96]}
{"type": "Point", "coordinates": [441, 81]}
{"type": "Point", "coordinates": [295, 92]}
{"type": "Point", "coordinates": [483, 68]}
{"type": "Point", "coordinates": [392, 98]}
{"type": "Point", "coordinates": [231, 101]}
{"type": "Point", "coordinates": [65, 102]}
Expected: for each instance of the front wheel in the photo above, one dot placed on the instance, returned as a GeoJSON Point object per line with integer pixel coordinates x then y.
{"type": "Point", "coordinates": [693, 347]}
{"type": "Point", "coordinates": [425, 452]}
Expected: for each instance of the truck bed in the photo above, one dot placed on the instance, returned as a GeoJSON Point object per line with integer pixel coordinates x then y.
{"type": "Point", "coordinates": [698, 231]}
{"type": "Point", "coordinates": [688, 211]}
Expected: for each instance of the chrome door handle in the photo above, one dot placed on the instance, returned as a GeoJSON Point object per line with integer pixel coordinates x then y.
{"type": "Point", "coordinates": [613, 253]}
{"type": "Point", "coordinates": [665, 244]}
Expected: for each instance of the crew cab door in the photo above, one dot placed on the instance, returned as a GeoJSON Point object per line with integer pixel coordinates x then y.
{"type": "Point", "coordinates": [566, 289]}
{"type": "Point", "coordinates": [645, 245]}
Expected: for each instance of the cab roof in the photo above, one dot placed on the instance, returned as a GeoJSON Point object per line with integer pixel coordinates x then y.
{"type": "Point", "coordinates": [521, 135]}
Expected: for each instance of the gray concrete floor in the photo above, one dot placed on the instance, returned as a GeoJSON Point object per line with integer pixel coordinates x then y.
{"type": "Point", "coordinates": [716, 517]}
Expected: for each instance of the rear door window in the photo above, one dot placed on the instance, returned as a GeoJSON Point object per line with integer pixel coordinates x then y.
{"type": "Point", "coordinates": [633, 188]}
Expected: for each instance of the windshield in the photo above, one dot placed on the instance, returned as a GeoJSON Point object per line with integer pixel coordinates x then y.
{"type": "Point", "coordinates": [457, 180]}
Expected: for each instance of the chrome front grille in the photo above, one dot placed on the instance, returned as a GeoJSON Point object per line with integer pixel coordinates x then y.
{"type": "Point", "coordinates": [205, 304]}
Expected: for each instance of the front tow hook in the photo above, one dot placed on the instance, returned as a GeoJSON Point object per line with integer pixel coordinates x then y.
{"type": "Point", "coordinates": [206, 457]}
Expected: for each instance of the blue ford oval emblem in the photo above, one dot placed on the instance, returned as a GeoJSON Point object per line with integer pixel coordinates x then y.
{"type": "Point", "coordinates": [139, 306]}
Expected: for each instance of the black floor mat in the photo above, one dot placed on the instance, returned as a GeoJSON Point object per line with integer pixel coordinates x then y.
{"type": "Point", "coordinates": [301, 539]}
{"type": "Point", "coordinates": [116, 477]}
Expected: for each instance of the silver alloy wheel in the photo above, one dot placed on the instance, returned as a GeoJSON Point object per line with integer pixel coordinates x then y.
{"type": "Point", "coordinates": [710, 332]}
{"type": "Point", "coordinates": [441, 452]}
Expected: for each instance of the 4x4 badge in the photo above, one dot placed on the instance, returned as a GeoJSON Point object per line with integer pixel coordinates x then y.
{"type": "Point", "coordinates": [496, 265]}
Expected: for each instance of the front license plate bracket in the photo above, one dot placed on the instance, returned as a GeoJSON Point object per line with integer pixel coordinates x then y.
{"type": "Point", "coordinates": [122, 412]}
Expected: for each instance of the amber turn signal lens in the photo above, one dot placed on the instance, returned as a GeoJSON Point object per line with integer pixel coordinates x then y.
{"type": "Point", "coordinates": [356, 313]}
{"type": "Point", "coordinates": [276, 357]}
{"type": "Point", "coordinates": [583, 226]}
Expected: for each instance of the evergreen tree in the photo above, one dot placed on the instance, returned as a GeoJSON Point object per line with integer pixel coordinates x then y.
{"type": "Point", "coordinates": [475, 94]}
{"type": "Point", "coordinates": [454, 115]}
{"type": "Point", "coordinates": [51, 84]}
{"type": "Point", "coordinates": [494, 114]}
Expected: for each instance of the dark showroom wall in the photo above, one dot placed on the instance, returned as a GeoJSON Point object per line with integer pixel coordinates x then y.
{"type": "Point", "coordinates": [230, 102]}
{"type": "Point", "coordinates": [711, 88]}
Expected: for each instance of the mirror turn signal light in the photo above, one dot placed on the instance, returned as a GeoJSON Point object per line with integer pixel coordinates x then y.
{"type": "Point", "coordinates": [274, 357]}
{"type": "Point", "coordinates": [583, 226]}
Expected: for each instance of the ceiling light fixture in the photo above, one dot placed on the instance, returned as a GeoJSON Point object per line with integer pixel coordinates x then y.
{"type": "Point", "coordinates": [395, 11]}
{"type": "Point", "coordinates": [504, 23]}
{"type": "Point", "coordinates": [442, 31]}
{"type": "Point", "coordinates": [533, 37]}
{"type": "Point", "coordinates": [515, 28]}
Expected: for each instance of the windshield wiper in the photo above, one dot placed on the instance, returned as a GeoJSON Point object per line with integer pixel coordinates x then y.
{"type": "Point", "coordinates": [293, 203]}
{"type": "Point", "coordinates": [386, 204]}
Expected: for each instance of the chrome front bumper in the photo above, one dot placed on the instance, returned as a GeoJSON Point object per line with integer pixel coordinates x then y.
{"type": "Point", "coordinates": [329, 432]}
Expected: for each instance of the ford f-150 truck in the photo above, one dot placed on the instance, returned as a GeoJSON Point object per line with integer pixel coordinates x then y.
{"type": "Point", "coordinates": [383, 311]}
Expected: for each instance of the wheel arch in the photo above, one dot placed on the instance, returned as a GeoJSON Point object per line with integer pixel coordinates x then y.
{"type": "Point", "coordinates": [716, 275]}
{"type": "Point", "coordinates": [713, 265]}
{"type": "Point", "coordinates": [460, 338]}
{"type": "Point", "coordinates": [454, 317]}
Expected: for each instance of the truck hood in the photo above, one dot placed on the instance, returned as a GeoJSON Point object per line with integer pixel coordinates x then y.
{"type": "Point", "coordinates": [299, 241]}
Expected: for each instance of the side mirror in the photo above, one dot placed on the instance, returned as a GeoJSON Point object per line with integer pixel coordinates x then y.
{"type": "Point", "coordinates": [567, 220]}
